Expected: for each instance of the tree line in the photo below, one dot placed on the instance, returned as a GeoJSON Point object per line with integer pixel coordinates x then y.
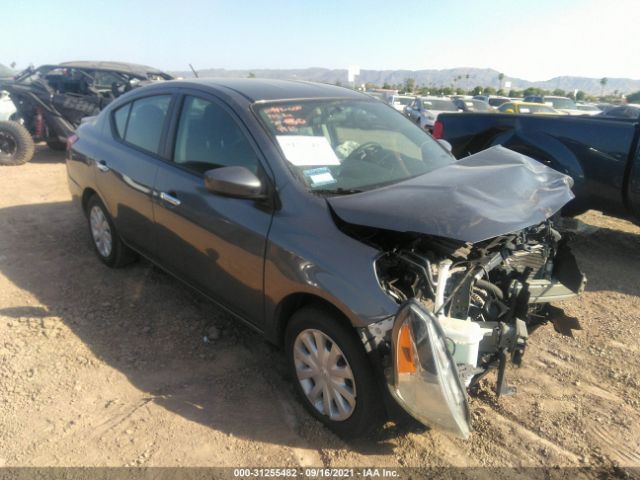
{"type": "Point", "coordinates": [409, 87]}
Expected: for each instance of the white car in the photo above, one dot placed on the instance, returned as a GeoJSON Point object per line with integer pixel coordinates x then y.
{"type": "Point", "coordinates": [425, 110]}
{"type": "Point", "coordinates": [7, 108]}
{"type": "Point", "coordinates": [399, 102]}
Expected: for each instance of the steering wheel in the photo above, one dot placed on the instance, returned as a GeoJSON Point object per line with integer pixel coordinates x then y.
{"type": "Point", "coordinates": [375, 153]}
{"type": "Point", "coordinates": [366, 151]}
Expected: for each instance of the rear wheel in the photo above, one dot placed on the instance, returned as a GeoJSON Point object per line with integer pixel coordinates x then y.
{"type": "Point", "coordinates": [16, 144]}
{"type": "Point", "coordinates": [106, 241]}
{"type": "Point", "coordinates": [332, 373]}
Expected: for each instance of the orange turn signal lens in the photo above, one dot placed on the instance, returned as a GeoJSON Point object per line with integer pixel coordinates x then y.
{"type": "Point", "coordinates": [406, 360]}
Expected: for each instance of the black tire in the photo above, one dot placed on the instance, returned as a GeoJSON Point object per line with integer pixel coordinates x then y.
{"type": "Point", "coordinates": [369, 413]}
{"type": "Point", "coordinates": [118, 255]}
{"type": "Point", "coordinates": [56, 145]}
{"type": "Point", "coordinates": [16, 144]}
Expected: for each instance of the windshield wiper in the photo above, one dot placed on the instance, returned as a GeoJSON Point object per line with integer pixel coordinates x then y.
{"type": "Point", "coordinates": [337, 191]}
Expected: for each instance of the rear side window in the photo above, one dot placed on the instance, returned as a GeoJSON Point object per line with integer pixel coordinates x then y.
{"type": "Point", "coordinates": [144, 121]}
{"type": "Point", "coordinates": [120, 118]}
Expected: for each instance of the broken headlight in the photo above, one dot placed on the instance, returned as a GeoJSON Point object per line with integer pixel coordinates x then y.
{"type": "Point", "coordinates": [425, 379]}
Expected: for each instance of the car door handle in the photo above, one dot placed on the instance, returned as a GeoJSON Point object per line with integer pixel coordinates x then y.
{"type": "Point", "coordinates": [102, 166]}
{"type": "Point", "coordinates": [170, 199]}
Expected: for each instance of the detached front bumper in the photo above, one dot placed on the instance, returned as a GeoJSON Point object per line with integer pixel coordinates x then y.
{"type": "Point", "coordinates": [424, 379]}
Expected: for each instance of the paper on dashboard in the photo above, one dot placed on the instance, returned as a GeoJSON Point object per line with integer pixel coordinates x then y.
{"type": "Point", "coordinates": [306, 150]}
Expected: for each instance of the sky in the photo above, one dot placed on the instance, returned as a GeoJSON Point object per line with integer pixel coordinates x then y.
{"type": "Point", "coordinates": [530, 39]}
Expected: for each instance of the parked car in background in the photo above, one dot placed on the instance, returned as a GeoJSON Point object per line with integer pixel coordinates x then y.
{"type": "Point", "coordinates": [600, 153]}
{"type": "Point", "coordinates": [399, 102]}
{"type": "Point", "coordinates": [425, 110]}
{"type": "Point", "coordinates": [526, 107]}
{"type": "Point", "coordinates": [492, 100]}
{"type": "Point", "coordinates": [392, 275]}
{"type": "Point", "coordinates": [561, 104]}
{"type": "Point", "coordinates": [7, 108]}
{"type": "Point", "coordinates": [472, 105]}
{"type": "Point", "coordinates": [623, 111]}
{"type": "Point", "coordinates": [588, 109]}
{"type": "Point", "coordinates": [605, 107]}
{"type": "Point", "coordinates": [495, 102]}
{"type": "Point", "coordinates": [51, 101]}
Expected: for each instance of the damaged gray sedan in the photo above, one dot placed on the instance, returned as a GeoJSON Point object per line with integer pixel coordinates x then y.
{"type": "Point", "coordinates": [393, 276]}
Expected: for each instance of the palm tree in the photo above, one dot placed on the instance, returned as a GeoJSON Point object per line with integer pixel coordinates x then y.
{"type": "Point", "coordinates": [603, 83]}
{"type": "Point", "coordinates": [500, 78]}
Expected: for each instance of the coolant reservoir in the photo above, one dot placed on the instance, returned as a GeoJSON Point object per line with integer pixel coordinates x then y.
{"type": "Point", "coordinates": [465, 336]}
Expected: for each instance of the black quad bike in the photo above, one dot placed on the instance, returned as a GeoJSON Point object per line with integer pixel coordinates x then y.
{"type": "Point", "coordinates": [52, 100]}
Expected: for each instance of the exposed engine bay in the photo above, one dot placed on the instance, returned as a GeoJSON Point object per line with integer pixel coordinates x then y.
{"type": "Point", "coordinates": [487, 296]}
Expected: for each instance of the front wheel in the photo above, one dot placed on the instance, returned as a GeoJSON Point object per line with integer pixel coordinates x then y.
{"type": "Point", "coordinates": [16, 144]}
{"type": "Point", "coordinates": [332, 373]}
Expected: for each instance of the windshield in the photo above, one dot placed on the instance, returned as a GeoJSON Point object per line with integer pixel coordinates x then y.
{"type": "Point", "coordinates": [346, 146]}
{"type": "Point", "coordinates": [439, 105]}
{"type": "Point", "coordinates": [561, 103]}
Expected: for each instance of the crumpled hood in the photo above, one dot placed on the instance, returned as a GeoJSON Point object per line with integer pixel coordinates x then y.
{"type": "Point", "coordinates": [491, 193]}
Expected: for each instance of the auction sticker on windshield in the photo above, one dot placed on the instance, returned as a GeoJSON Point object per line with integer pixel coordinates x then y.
{"type": "Point", "coordinates": [304, 150]}
{"type": "Point", "coordinates": [319, 176]}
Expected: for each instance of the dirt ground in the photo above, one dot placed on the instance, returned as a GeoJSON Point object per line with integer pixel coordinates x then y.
{"type": "Point", "coordinates": [103, 367]}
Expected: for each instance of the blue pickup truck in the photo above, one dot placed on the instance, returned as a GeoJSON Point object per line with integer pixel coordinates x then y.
{"type": "Point", "coordinates": [601, 154]}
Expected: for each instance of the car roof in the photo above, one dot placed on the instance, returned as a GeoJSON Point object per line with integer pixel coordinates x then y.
{"type": "Point", "coordinates": [262, 89]}
{"type": "Point", "coordinates": [133, 68]}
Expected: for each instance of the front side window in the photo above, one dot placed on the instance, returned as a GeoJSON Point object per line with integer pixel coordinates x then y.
{"type": "Point", "coordinates": [344, 146]}
{"type": "Point", "coordinates": [208, 137]}
{"type": "Point", "coordinates": [146, 119]}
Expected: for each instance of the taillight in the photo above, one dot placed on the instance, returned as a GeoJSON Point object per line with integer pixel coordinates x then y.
{"type": "Point", "coordinates": [71, 140]}
{"type": "Point", "coordinates": [438, 130]}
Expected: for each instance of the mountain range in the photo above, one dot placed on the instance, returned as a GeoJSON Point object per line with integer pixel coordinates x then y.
{"type": "Point", "coordinates": [466, 78]}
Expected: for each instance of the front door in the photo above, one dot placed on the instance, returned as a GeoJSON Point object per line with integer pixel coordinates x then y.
{"type": "Point", "coordinates": [215, 243]}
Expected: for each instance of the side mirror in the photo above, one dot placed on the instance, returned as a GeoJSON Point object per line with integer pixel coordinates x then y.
{"type": "Point", "coordinates": [509, 110]}
{"type": "Point", "coordinates": [237, 182]}
{"type": "Point", "coordinates": [447, 146]}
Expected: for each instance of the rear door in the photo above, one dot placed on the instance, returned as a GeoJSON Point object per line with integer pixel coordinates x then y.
{"type": "Point", "coordinates": [215, 243]}
{"type": "Point", "coordinates": [126, 167]}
